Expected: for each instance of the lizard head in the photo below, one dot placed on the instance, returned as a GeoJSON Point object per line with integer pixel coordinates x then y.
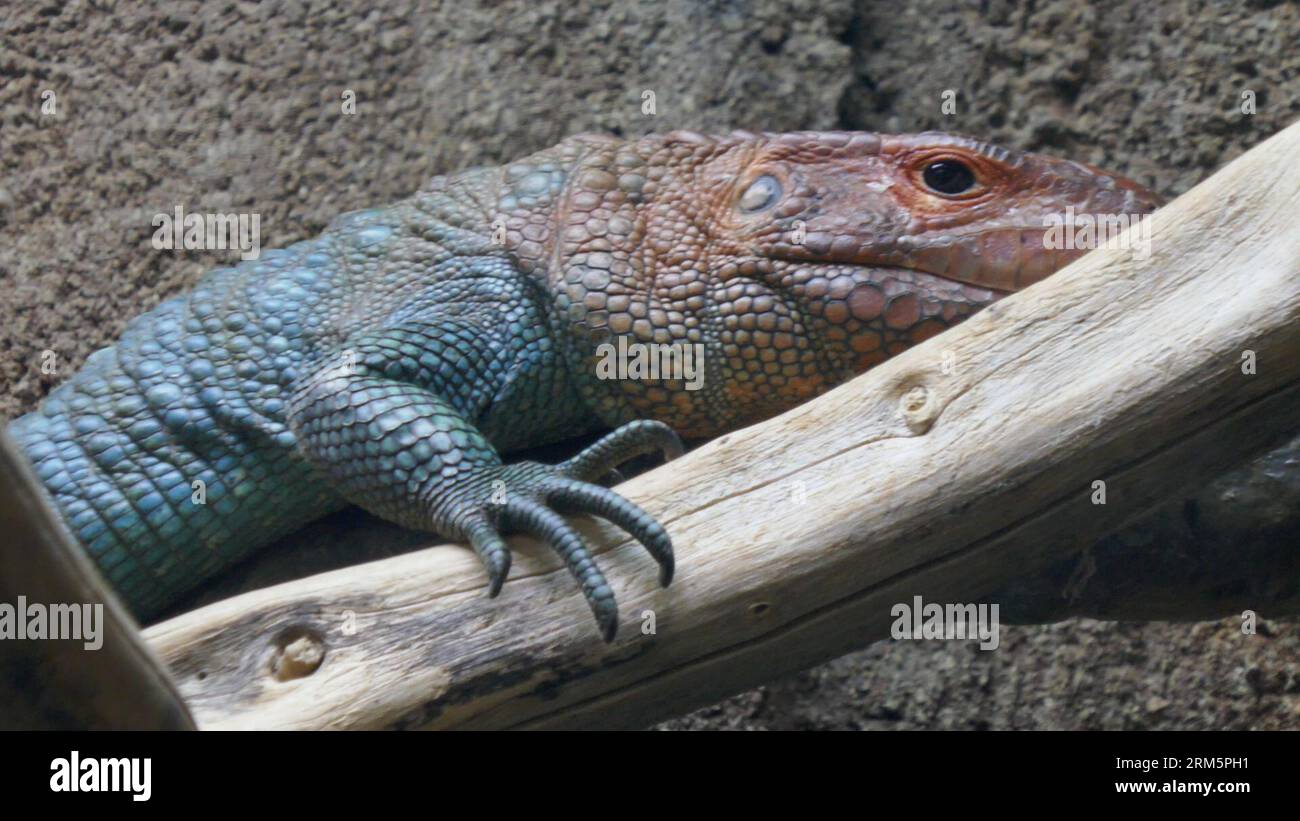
{"type": "Point", "coordinates": [783, 264]}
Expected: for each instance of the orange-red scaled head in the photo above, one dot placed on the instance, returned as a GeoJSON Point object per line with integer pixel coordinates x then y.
{"type": "Point", "coordinates": [789, 262]}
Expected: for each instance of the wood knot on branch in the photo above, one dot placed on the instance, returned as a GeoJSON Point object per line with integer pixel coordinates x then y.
{"type": "Point", "coordinates": [918, 408]}
{"type": "Point", "coordinates": [297, 652]}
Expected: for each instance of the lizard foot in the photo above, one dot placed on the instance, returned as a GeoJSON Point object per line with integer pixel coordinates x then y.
{"type": "Point", "coordinates": [535, 495]}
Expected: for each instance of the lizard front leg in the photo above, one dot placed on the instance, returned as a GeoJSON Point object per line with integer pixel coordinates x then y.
{"type": "Point", "coordinates": [388, 437]}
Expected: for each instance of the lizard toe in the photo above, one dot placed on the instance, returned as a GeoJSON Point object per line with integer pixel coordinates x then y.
{"type": "Point", "coordinates": [621, 444]}
{"type": "Point", "coordinates": [543, 523]}
{"type": "Point", "coordinates": [491, 550]}
{"type": "Point", "coordinates": [572, 496]}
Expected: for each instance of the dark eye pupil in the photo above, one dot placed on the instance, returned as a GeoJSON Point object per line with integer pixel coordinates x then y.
{"type": "Point", "coordinates": [949, 177]}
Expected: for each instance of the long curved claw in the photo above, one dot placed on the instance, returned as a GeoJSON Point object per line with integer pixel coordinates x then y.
{"type": "Point", "coordinates": [572, 496]}
{"type": "Point", "coordinates": [540, 493]}
{"type": "Point", "coordinates": [617, 446]}
{"type": "Point", "coordinates": [549, 526]}
{"type": "Point", "coordinates": [492, 550]}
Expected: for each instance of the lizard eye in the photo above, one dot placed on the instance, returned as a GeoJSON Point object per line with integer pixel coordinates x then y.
{"type": "Point", "coordinates": [762, 193]}
{"type": "Point", "coordinates": [949, 177]}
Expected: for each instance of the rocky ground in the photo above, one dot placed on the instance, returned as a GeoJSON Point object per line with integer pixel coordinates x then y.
{"type": "Point", "coordinates": [237, 106]}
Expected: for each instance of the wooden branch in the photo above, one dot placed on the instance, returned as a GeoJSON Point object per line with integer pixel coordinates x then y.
{"type": "Point", "coordinates": [69, 683]}
{"type": "Point", "coordinates": [944, 473]}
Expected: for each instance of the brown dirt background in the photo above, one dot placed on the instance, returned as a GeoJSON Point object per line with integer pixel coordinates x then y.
{"type": "Point", "coordinates": [236, 106]}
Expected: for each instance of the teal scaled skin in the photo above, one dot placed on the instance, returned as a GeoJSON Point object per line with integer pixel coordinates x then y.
{"type": "Point", "coordinates": [385, 363]}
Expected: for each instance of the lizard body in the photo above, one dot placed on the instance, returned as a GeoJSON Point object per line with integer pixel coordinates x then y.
{"type": "Point", "coordinates": [391, 361]}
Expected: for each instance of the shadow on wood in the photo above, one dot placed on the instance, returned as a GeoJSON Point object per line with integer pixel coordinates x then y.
{"type": "Point", "coordinates": [105, 678]}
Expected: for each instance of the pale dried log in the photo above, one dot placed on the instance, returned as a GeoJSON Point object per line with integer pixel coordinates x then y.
{"type": "Point", "coordinates": [945, 472]}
